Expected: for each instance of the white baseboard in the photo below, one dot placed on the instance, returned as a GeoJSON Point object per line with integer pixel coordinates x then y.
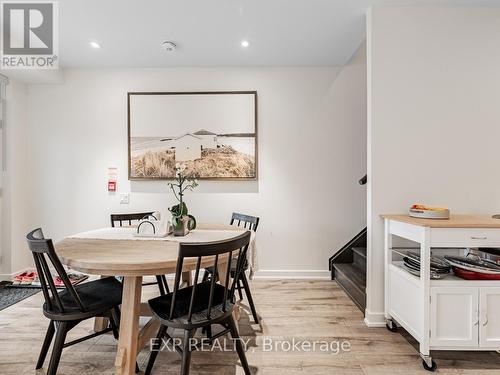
{"type": "Point", "coordinates": [292, 274]}
{"type": "Point", "coordinates": [374, 320]}
{"type": "Point", "coordinates": [10, 276]}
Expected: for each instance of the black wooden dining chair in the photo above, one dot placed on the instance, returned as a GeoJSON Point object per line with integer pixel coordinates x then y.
{"type": "Point", "coordinates": [67, 308]}
{"type": "Point", "coordinates": [251, 223]}
{"type": "Point", "coordinates": [245, 220]}
{"type": "Point", "coordinates": [130, 219]}
{"type": "Point", "coordinates": [204, 303]}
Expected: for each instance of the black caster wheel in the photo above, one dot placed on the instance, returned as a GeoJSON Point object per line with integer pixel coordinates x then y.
{"type": "Point", "coordinates": [391, 327]}
{"type": "Point", "coordinates": [432, 368]}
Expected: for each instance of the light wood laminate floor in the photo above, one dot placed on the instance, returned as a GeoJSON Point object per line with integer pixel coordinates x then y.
{"type": "Point", "coordinates": [304, 310]}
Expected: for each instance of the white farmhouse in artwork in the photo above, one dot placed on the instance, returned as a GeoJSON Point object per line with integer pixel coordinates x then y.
{"type": "Point", "coordinates": [208, 139]}
{"type": "Point", "coordinates": [187, 147]}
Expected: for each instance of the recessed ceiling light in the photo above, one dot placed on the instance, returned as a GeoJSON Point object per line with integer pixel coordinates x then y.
{"type": "Point", "coordinates": [244, 43]}
{"type": "Point", "coordinates": [168, 46]}
{"type": "Point", "coordinates": [95, 45]}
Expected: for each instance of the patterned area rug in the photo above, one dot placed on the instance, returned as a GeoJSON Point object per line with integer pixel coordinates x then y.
{"type": "Point", "coordinates": [10, 296]}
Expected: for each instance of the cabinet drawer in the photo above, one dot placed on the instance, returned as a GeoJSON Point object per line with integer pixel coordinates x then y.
{"type": "Point", "coordinates": [458, 237]}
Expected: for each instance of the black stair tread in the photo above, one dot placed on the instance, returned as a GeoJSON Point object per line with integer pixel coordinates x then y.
{"type": "Point", "coordinates": [361, 251]}
{"type": "Point", "coordinates": [353, 272]}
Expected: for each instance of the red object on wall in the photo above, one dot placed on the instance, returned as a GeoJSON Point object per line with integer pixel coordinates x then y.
{"type": "Point", "coordinates": [111, 185]}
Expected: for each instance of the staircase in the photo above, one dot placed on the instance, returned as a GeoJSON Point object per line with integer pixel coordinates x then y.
{"type": "Point", "coordinates": [348, 266]}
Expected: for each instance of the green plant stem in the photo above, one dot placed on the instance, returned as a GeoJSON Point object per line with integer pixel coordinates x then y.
{"type": "Point", "coordinates": [182, 184]}
{"type": "Point", "coordinates": [173, 191]}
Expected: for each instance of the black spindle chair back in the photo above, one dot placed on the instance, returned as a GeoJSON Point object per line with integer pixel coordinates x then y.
{"type": "Point", "coordinates": [43, 249]}
{"type": "Point", "coordinates": [210, 253]}
{"type": "Point", "coordinates": [245, 220]}
{"type": "Point", "coordinates": [123, 218]}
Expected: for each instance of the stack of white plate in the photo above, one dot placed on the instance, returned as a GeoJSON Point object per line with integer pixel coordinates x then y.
{"type": "Point", "coordinates": [430, 214]}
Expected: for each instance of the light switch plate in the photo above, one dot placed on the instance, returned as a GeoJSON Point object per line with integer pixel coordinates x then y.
{"type": "Point", "coordinates": [124, 198]}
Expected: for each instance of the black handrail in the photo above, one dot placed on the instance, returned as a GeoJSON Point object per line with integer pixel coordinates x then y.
{"type": "Point", "coordinates": [363, 180]}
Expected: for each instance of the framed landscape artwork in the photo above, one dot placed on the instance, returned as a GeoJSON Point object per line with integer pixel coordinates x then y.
{"type": "Point", "coordinates": [214, 134]}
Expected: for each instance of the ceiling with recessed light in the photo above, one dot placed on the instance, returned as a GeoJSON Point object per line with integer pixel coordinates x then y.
{"type": "Point", "coordinates": [211, 32]}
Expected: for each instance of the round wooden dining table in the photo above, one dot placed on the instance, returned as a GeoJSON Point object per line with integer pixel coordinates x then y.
{"type": "Point", "coordinates": [132, 259]}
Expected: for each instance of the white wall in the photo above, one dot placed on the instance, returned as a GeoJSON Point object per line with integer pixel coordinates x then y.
{"type": "Point", "coordinates": [433, 118]}
{"type": "Point", "coordinates": [312, 142]}
{"type": "Point", "coordinates": [16, 184]}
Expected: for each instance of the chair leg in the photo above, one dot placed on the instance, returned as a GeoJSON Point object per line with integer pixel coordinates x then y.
{"type": "Point", "coordinates": [186, 352]}
{"type": "Point", "coordinates": [208, 330]}
{"type": "Point", "coordinates": [165, 284]}
{"type": "Point", "coordinates": [160, 285]}
{"type": "Point", "coordinates": [61, 331]}
{"type": "Point", "coordinates": [156, 348]}
{"type": "Point", "coordinates": [239, 346]}
{"type": "Point", "coordinates": [45, 346]}
{"type": "Point", "coordinates": [239, 287]}
{"type": "Point", "coordinates": [115, 323]}
{"type": "Point", "coordinates": [243, 278]}
{"type": "Point", "coordinates": [117, 314]}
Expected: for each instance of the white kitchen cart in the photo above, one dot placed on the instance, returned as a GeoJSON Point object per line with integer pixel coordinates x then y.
{"type": "Point", "coordinates": [446, 314]}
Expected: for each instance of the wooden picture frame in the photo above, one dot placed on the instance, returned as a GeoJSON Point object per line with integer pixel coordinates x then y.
{"type": "Point", "coordinates": [226, 151]}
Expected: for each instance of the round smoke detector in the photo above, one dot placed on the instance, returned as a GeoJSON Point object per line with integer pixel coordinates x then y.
{"type": "Point", "coordinates": [168, 46]}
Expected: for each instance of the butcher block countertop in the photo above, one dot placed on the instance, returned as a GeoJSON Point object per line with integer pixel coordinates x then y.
{"type": "Point", "coordinates": [455, 221]}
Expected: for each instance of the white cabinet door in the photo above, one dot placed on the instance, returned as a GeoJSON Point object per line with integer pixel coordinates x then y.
{"type": "Point", "coordinates": [489, 305]}
{"type": "Point", "coordinates": [454, 316]}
